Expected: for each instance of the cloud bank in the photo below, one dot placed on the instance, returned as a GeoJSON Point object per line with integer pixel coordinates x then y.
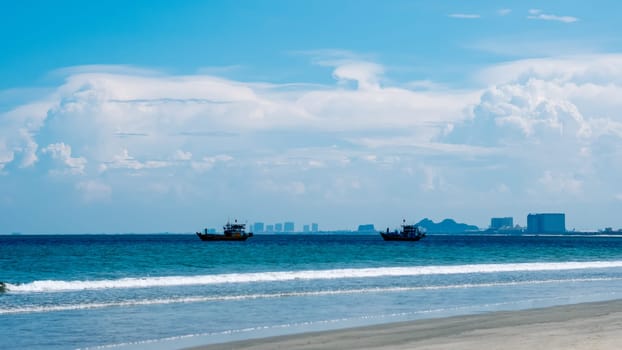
{"type": "Point", "coordinates": [542, 134]}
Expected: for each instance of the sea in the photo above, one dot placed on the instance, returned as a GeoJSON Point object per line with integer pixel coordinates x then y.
{"type": "Point", "coordinates": [171, 291]}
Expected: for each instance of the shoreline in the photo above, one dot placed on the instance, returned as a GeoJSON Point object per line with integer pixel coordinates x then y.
{"type": "Point", "coordinates": [594, 325]}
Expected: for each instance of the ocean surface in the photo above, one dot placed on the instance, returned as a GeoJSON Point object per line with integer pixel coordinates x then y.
{"type": "Point", "coordinates": [169, 291]}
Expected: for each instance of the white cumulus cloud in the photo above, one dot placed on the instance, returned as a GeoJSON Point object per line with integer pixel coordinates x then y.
{"type": "Point", "coordinates": [548, 124]}
{"type": "Point", "coordinates": [62, 152]}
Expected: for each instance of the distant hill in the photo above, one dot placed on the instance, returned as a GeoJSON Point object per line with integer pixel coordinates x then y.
{"type": "Point", "coordinates": [446, 226]}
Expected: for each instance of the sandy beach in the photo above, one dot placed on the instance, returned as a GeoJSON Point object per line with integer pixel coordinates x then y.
{"type": "Point", "coordinates": [579, 326]}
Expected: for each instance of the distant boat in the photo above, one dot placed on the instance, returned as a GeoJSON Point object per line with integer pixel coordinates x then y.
{"type": "Point", "coordinates": [231, 232]}
{"type": "Point", "coordinates": [407, 233]}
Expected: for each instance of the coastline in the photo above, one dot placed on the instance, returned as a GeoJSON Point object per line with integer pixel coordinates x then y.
{"type": "Point", "coordinates": [594, 325]}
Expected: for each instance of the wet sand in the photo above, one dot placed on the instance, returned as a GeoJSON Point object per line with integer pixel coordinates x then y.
{"type": "Point", "coordinates": [579, 326]}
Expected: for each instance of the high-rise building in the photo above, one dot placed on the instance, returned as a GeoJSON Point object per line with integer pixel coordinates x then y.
{"type": "Point", "coordinates": [288, 227]}
{"type": "Point", "coordinates": [305, 228]}
{"type": "Point", "coordinates": [270, 228]}
{"type": "Point", "coordinates": [497, 223]}
{"type": "Point", "coordinates": [258, 227]}
{"type": "Point", "coordinates": [366, 228]}
{"type": "Point", "coordinates": [546, 223]}
{"type": "Point", "coordinates": [314, 227]}
{"type": "Point", "coordinates": [278, 227]}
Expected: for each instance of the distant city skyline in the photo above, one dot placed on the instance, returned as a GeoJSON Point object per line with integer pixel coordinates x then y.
{"type": "Point", "coordinates": [540, 223]}
{"type": "Point", "coordinates": [154, 116]}
{"type": "Point", "coordinates": [533, 223]}
{"type": "Point", "coordinates": [283, 226]}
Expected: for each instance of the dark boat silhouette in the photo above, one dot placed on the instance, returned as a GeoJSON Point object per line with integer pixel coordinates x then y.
{"type": "Point", "coordinates": [407, 233]}
{"type": "Point", "coordinates": [231, 232]}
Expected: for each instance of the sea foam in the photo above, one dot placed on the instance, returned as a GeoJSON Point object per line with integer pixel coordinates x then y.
{"type": "Point", "coordinates": [197, 299]}
{"type": "Point", "coordinates": [277, 276]}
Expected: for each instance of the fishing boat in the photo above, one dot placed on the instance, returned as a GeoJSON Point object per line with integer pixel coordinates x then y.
{"type": "Point", "coordinates": [231, 232]}
{"type": "Point", "coordinates": [407, 233]}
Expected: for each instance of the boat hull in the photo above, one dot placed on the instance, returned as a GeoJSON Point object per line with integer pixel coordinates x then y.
{"type": "Point", "coordinates": [398, 237]}
{"type": "Point", "coordinates": [217, 237]}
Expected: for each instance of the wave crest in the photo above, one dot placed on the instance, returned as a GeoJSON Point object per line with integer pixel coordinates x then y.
{"type": "Point", "coordinates": [278, 276]}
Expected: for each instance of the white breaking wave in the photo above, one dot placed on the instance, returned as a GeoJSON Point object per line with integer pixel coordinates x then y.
{"type": "Point", "coordinates": [279, 276]}
{"type": "Point", "coordinates": [196, 299]}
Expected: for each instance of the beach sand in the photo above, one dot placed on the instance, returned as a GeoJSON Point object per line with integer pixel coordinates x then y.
{"type": "Point", "coordinates": [579, 326]}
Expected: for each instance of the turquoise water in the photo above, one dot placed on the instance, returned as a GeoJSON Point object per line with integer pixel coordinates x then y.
{"type": "Point", "coordinates": [171, 291]}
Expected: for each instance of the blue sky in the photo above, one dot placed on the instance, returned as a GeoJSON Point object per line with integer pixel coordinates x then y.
{"type": "Point", "coordinates": [158, 116]}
